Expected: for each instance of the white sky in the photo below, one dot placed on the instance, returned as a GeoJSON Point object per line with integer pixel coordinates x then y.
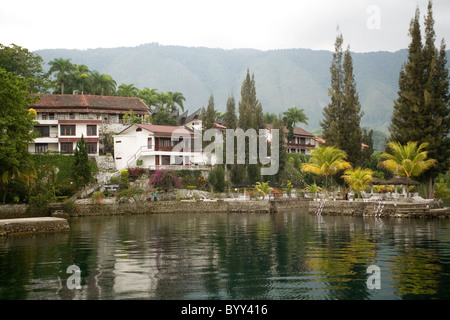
{"type": "Point", "coordinates": [367, 25]}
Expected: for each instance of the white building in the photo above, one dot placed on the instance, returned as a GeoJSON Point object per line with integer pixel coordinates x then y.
{"type": "Point", "coordinates": [63, 119]}
{"type": "Point", "coordinates": [152, 146]}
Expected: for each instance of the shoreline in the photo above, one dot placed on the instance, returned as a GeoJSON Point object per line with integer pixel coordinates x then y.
{"type": "Point", "coordinates": [14, 219]}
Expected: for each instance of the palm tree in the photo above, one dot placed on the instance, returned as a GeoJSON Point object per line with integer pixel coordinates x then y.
{"type": "Point", "coordinates": [263, 188]}
{"type": "Point", "coordinates": [291, 117]}
{"type": "Point", "coordinates": [62, 68]}
{"type": "Point", "coordinates": [326, 161]}
{"type": "Point", "coordinates": [102, 84]}
{"type": "Point", "coordinates": [79, 77]}
{"type": "Point", "coordinates": [25, 172]}
{"type": "Point", "coordinates": [127, 90]}
{"type": "Point", "coordinates": [358, 179]}
{"type": "Point", "coordinates": [149, 96]}
{"type": "Point", "coordinates": [177, 98]}
{"type": "Point", "coordinates": [407, 160]}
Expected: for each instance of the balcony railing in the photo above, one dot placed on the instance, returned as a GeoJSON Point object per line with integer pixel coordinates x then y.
{"type": "Point", "coordinates": [179, 167]}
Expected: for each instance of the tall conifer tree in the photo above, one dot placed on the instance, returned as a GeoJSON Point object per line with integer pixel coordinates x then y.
{"type": "Point", "coordinates": [421, 111]}
{"type": "Point", "coordinates": [342, 117]}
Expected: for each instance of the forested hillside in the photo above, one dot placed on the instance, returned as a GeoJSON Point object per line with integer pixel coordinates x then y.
{"type": "Point", "coordinates": [284, 78]}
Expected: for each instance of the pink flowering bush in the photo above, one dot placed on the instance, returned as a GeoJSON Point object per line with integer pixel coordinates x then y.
{"type": "Point", "coordinates": [165, 179]}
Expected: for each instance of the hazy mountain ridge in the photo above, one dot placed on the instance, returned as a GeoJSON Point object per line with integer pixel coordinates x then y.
{"type": "Point", "coordinates": [284, 78]}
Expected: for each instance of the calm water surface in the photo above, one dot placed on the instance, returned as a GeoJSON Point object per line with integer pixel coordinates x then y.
{"type": "Point", "coordinates": [283, 256]}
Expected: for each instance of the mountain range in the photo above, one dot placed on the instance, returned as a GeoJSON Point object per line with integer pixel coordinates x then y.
{"type": "Point", "coordinates": [284, 78]}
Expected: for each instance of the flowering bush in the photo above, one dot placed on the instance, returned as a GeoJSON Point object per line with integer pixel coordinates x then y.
{"type": "Point", "coordinates": [136, 172]}
{"type": "Point", "coordinates": [277, 193]}
{"type": "Point", "coordinates": [125, 196]}
{"type": "Point", "coordinates": [165, 179]}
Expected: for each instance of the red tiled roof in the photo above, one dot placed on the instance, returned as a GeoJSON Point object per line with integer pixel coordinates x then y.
{"type": "Point", "coordinates": [167, 130]}
{"type": "Point", "coordinates": [89, 103]}
{"type": "Point", "coordinates": [297, 130]}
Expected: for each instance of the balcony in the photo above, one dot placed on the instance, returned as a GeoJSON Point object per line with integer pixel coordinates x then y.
{"type": "Point", "coordinates": [180, 167]}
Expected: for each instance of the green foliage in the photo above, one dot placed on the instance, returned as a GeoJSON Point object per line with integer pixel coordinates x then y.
{"type": "Point", "coordinates": [326, 161]}
{"type": "Point", "coordinates": [263, 188]}
{"type": "Point", "coordinates": [291, 117]}
{"type": "Point", "coordinates": [342, 116]}
{"type": "Point", "coordinates": [124, 178]}
{"type": "Point", "coordinates": [54, 174]}
{"type": "Point", "coordinates": [217, 178]}
{"type": "Point", "coordinates": [358, 179]}
{"type": "Point", "coordinates": [82, 168]}
{"type": "Point", "coordinates": [163, 118]}
{"type": "Point", "coordinates": [40, 204]}
{"type": "Point", "coordinates": [421, 110]}
{"type": "Point", "coordinates": [129, 195]}
{"type": "Point", "coordinates": [409, 160]}
{"type": "Point", "coordinates": [25, 64]}
{"type": "Point", "coordinates": [16, 130]}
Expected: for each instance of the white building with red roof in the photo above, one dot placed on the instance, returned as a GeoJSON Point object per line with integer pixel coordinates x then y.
{"type": "Point", "coordinates": [157, 147]}
{"type": "Point", "coordinates": [63, 119]}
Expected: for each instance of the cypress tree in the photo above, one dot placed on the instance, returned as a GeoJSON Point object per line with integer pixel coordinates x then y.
{"type": "Point", "coordinates": [81, 168]}
{"type": "Point", "coordinates": [230, 114]}
{"type": "Point", "coordinates": [342, 116]}
{"type": "Point", "coordinates": [210, 115]}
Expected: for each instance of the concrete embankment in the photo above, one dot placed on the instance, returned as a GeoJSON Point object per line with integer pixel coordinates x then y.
{"type": "Point", "coordinates": [183, 206]}
{"type": "Point", "coordinates": [397, 209]}
{"type": "Point", "coordinates": [32, 225]}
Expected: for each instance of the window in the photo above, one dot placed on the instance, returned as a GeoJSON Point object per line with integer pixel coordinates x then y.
{"type": "Point", "coordinates": [43, 131]}
{"type": "Point", "coordinates": [164, 142]}
{"type": "Point", "coordinates": [150, 143]}
{"type": "Point", "coordinates": [66, 147]}
{"type": "Point", "coordinates": [44, 116]}
{"type": "Point", "coordinates": [68, 130]}
{"type": "Point", "coordinates": [51, 116]}
{"type": "Point", "coordinates": [91, 147]}
{"type": "Point", "coordinates": [41, 148]}
{"type": "Point", "coordinates": [91, 130]}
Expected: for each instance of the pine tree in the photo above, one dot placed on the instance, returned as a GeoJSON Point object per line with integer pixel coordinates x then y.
{"type": "Point", "coordinates": [210, 115]}
{"type": "Point", "coordinates": [408, 107]}
{"type": "Point", "coordinates": [230, 114]}
{"type": "Point", "coordinates": [342, 117]}
{"type": "Point", "coordinates": [421, 111]}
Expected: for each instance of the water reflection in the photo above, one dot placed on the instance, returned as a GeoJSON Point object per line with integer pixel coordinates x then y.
{"type": "Point", "coordinates": [291, 255]}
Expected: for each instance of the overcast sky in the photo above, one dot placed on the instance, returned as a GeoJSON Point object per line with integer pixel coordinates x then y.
{"type": "Point", "coordinates": [367, 25]}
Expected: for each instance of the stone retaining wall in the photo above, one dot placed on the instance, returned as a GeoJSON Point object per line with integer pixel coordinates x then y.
{"type": "Point", "coordinates": [398, 209]}
{"type": "Point", "coordinates": [32, 225]}
{"type": "Point", "coordinates": [12, 211]}
{"type": "Point", "coordinates": [183, 206]}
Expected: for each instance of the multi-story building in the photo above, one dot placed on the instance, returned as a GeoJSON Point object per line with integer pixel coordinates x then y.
{"type": "Point", "coordinates": [151, 146]}
{"type": "Point", "coordinates": [302, 141]}
{"type": "Point", "coordinates": [64, 119]}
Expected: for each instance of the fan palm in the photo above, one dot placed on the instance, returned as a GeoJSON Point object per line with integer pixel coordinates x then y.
{"type": "Point", "coordinates": [358, 179]}
{"type": "Point", "coordinates": [326, 161]}
{"type": "Point", "coordinates": [407, 160]}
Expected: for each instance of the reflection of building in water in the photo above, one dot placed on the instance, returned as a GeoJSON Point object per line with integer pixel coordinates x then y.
{"type": "Point", "coordinates": [135, 274]}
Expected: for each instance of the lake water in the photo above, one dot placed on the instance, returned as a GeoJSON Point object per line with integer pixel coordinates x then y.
{"type": "Point", "coordinates": [284, 256]}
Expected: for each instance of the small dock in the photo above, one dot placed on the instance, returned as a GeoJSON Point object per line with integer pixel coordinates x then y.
{"type": "Point", "coordinates": [32, 225]}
